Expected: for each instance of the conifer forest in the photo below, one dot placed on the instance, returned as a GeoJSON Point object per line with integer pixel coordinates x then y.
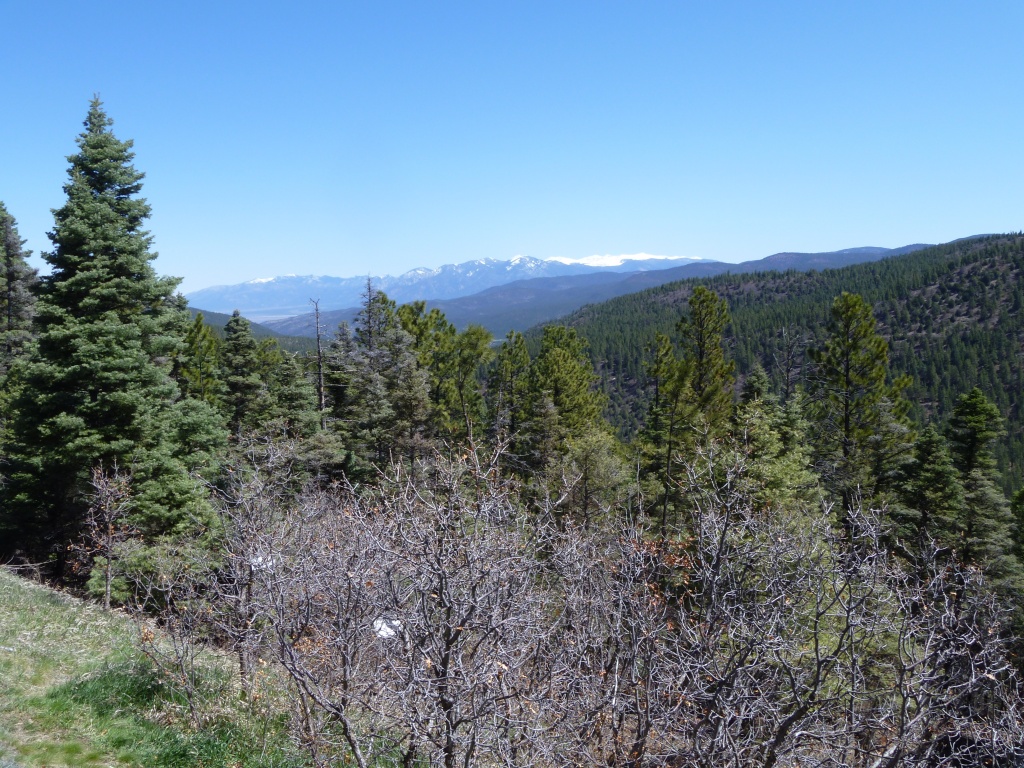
{"type": "Point", "coordinates": [752, 520]}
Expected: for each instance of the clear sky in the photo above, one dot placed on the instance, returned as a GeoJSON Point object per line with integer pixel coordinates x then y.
{"type": "Point", "coordinates": [352, 138]}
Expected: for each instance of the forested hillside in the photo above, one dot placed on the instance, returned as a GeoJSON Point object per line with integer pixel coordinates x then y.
{"type": "Point", "coordinates": [951, 313]}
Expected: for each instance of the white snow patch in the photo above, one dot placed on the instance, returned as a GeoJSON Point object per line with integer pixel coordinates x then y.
{"type": "Point", "coordinates": [259, 280]}
{"type": "Point", "coordinates": [520, 260]}
{"type": "Point", "coordinates": [608, 260]}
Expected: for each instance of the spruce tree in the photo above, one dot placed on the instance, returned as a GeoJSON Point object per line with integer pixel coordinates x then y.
{"type": "Point", "coordinates": [246, 399]}
{"type": "Point", "coordinates": [381, 392]}
{"type": "Point", "coordinates": [668, 428]}
{"type": "Point", "coordinates": [294, 408]}
{"type": "Point", "coordinates": [772, 440]}
{"type": "Point", "coordinates": [932, 499]}
{"type": "Point", "coordinates": [987, 522]}
{"type": "Point", "coordinates": [972, 431]}
{"type": "Point", "coordinates": [338, 360]}
{"type": "Point", "coordinates": [328, 453]}
{"type": "Point", "coordinates": [97, 390]}
{"type": "Point", "coordinates": [757, 386]}
{"type": "Point", "coordinates": [17, 303]}
{"type": "Point", "coordinates": [1017, 507]}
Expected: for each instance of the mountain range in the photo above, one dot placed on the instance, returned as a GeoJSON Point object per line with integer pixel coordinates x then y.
{"type": "Point", "coordinates": [522, 303]}
{"type": "Point", "coordinates": [273, 298]}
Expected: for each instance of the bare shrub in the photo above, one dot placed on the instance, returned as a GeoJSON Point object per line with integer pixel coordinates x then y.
{"type": "Point", "coordinates": [171, 606]}
{"type": "Point", "coordinates": [433, 620]}
{"type": "Point", "coordinates": [414, 616]}
{"type": "Point", "coordinates": [107, 529]}
{"type": "Point", "coordinates": [754, 639]}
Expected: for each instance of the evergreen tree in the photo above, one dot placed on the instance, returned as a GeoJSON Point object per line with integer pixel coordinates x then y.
{"type": "Point", "coordinates": [932, 498]}
{"type": "Point", "coordinates": [463, 397]}
{"type": "Point", "coordinates": [987, 521]}
{"type": "Point", "coordinates": [380, 391]}
{"type": "Point", "coordinates": [17, 303]}
{"type": "Point", "coordinates": [858, 414]}
{"type": "Point", "coordinates": [1017, 507]}
{"type": "Point", "coordinates": [668, 428]}
{"type": "Point", "coordinates": [756, 386]}
{"type": "Point", "coordinates": [564, 402]}
{"type": "Point", "coordinates": [330, 454]}
{"type": "Point", "coordinates": [451, 360]}
{"type": "Point", "coordinates": [692, 398]}
{"type": "Point", "coordinates": [433, 340]}
{"type": "Point", "coordinates": [591, 475]}
{"type": "Point", "coordinates": [294, 406]}
{"type": "Point", "coordinates": [197, 367]}
{"type": "Point", "coordinates": [338, 360]}
{"type": "Point", "coordinates": [508, 392]}
{"type": "Point", "coordinates": [377, 317]}
{"type": "Point", "coordinates": [97, 389]}
{"type": "Point", "coordinates": [701, 334]}
{"type": "Point", "coordinates": [773, 442]}
{"type": "Point", "coordinates": [246, 399]}
{"type": "Point", "coordinates": [972, 431]}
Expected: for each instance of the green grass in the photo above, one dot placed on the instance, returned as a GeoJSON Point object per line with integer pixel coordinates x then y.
{"type": "Point", "coordinates": [75, 691]}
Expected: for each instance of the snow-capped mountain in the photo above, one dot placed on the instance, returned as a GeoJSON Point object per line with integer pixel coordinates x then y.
{"type": "Point", "coordinates": [271, 298]}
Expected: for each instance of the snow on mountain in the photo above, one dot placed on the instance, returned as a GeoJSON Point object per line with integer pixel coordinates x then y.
{"type": "Point", "coordinates": [609, 260]}
{"type": "Point", "coordinates": [270, 298]}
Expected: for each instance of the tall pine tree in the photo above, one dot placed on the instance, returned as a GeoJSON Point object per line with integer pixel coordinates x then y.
{"type": "Point", "coordinates": [508, 390]}
{"type": "Point", "coordinates": [701, 334]}
{"type": "Point", "coordinates": [246, 400]}
{"type": "Point", "coordinates": [987, 522]}
{"type": "Point", "coordinates": [669, 427]}
{"type": "Point", "coordinates": [17, 304]}
{"type": "Point", "coordinates": [859, 413]}
{"type": "Point", "coordinates": [196, 366]}
{"type": "Point", "coordinates": [97, 389]}
{"type": "Point", "coordinates": [564, 402]}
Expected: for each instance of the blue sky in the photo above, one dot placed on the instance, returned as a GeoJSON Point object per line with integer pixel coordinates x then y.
{"type": "Point", "coordinates": [346, 139]}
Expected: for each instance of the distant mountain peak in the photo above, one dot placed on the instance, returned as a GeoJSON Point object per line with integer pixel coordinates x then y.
{"type": "Point", "coordinates": [261, 280]}
{"type": "Point", "coordinates": [609, 260]}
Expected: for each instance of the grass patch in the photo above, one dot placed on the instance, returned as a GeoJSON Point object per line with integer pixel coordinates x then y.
{"type": "Point", "coordinates": [77, 692]}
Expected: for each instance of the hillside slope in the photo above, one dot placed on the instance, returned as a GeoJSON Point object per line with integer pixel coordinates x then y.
{"type": "Point", "coordinates": [76, 691]}
{"type": "Point", "coordinates": [952, 314]}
